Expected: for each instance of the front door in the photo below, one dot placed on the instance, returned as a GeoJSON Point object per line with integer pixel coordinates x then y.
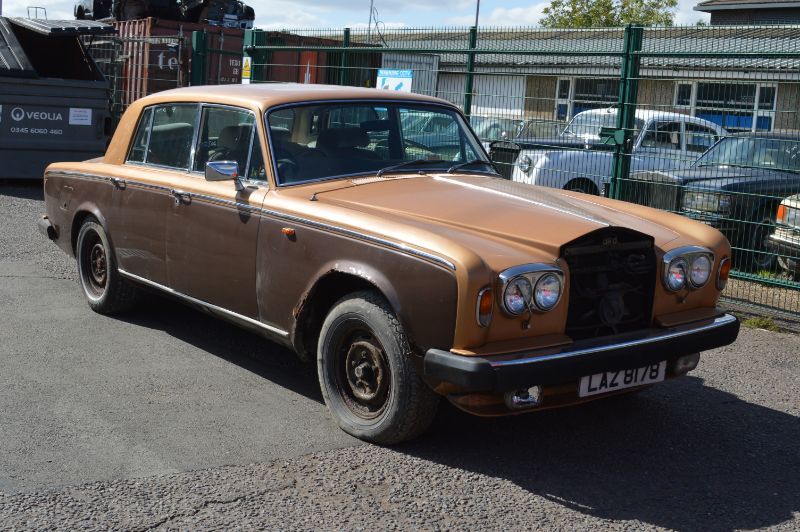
{"type": "Point", "coordinates": [212, 228]}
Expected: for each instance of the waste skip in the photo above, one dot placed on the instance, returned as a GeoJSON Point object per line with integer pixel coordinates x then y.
{"type": "Point", "coordinates": [54, 101]}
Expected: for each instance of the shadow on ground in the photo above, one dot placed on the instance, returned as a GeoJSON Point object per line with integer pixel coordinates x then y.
{"type": "Point", "coordinates": [680, 455]}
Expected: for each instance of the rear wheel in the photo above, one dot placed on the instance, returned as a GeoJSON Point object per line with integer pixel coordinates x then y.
{"type": "Point", "coordinates": [366, 374]}
{"type": "Point", "coordinates": [105, 290]}
{"type": "Point", "coordinates": [582, 185]}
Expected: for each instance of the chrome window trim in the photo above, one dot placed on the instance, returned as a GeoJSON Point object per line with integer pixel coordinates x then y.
{"type": "Point", "coordinates": [196, 140]}
{"type": "Point", "coordinates": [682, 330]}
{"type": "Point", "coordinates": [687, 253]}
{"type": "Point", "coordinates": [399, 246]}
{"type": "Point", "coordinates": [153, 107]}
{"type": "Point", "coordinates": [397, 101]}
{"type": "Point", "coordinates": [270, 328]}
{"type": "Point", "coordinates": [532, 272]}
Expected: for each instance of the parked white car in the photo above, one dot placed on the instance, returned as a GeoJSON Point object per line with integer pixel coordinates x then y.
{"type": "Point", "coordinates": [578, 160]}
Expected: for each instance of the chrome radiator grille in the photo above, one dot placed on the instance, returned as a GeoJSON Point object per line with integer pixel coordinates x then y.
{"type": "Point", "coordinates": [652, 189]}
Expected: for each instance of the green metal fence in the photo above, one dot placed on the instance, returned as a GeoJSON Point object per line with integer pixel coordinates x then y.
{"type": "Point", "coordinates": [701, 121]}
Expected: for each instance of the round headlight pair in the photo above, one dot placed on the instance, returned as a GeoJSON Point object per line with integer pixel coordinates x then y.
{"type": "Point", "coordinates": [693, 270]}
{"type": "Point", "coordinates": [520, 295]}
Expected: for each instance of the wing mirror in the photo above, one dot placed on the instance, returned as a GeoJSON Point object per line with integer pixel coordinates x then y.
{"type": "Point", "coordinates": [224, 171]}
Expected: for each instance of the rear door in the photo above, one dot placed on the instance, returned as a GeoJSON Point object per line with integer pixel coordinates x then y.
{"type": "Point", "coordinates": [212, 228]}
{"type": "Point", "coordinates": [142, 195]}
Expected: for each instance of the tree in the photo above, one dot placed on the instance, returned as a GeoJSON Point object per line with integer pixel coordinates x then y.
{"type": "Point", "coordinates": [608, 13]}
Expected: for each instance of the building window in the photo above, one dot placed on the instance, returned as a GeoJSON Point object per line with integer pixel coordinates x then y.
{"type": "Point", "coordinates": [734, 106]}
{"type": "Point", "coordinates": [574, 95]}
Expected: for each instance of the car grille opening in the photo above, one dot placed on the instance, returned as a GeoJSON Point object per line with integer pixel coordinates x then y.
{"type": "Point", "coordinates": [652, 189]}
{"type": "Point", "coordinates": [505, 155]}
{"type": "Point", "coordinates": [612, 282]}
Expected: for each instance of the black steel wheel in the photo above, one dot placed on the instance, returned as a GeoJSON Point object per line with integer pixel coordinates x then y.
{"type": "Point", "coordinates": [105, 290]}
{"type": "Point", "coordinates": [757, 254]}
{"type": "Point", "coordinates": [366, 373]}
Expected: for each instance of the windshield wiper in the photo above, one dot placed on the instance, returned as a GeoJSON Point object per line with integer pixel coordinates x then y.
{"type": "Point", "coordinates": [402, 165]}
{"type": "Point", "coordinates": [470, 163]}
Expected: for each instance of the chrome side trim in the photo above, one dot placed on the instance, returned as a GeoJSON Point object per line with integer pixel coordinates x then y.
{"type": "Point", "coordinates": [399, 246]}
{"type": "Point", "coordinates": [687, 330]}
{"type": "Point", "coordinates": [214, 308]}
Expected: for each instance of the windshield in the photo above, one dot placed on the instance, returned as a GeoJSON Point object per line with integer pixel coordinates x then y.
{"type": "Point", "coordinates": [588, 124]}
{"type": "Point", "coordinates": [775, 153]}
{"type": "Point", "coordinates": [336, 139]}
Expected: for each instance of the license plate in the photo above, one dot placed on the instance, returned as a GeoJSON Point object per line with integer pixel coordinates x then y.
{"type": "Point", "coordinates": [611, 381]}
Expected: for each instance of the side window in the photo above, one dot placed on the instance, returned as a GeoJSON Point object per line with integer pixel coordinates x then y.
{"type": "Point", "coordinates": [225, 135]}
{"type": "Point", "coordinates": [699, 138]}
{"type": "Point", "coordinates": [663, 136]}
{"type": "Point", "coordinates": [138, 151]}
{"type": "Point", "coordinates": [171, 135]}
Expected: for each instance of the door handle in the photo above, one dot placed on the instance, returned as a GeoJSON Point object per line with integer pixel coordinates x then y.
{"type": "Point", "coordinates": [181, 196]}
{"type": "Point", "coordinates": [118, 183]}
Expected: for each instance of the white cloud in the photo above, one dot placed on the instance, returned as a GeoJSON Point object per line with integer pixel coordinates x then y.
{"type": "Point", "coordinates": [56, 9]}
{"type": "Point", "coordinates": [502, 16]}
{"type": "Point", "coordinates": [686, 16]}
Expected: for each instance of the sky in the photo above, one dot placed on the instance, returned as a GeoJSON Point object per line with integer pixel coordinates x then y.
{"type": "Point", "coordinates": [280, 14]}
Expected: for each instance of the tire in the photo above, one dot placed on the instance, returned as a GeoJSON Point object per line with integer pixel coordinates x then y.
{"type": "Point", "coordinates": [105, 290]}
{"type": "Point", "coordinates": [582, 185]}
{"type": "Point", "coordinates": [365, 372]}
{"type": "Point", "coordinates": [756, 254]}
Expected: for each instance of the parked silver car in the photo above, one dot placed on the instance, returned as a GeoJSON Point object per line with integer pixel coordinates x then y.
{"type": "Point", "coordinates": [578, 160]}
{"type": "Point", "coordinates": [785, 241]}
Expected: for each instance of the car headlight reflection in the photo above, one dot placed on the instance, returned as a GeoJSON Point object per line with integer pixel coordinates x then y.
{"type": "Point", "coordinates": [694, 200]}
{"type": "Point", "coordinates": [547, 291]}
{"type": "Point", "coordinates": [530, 288]}
{"type": "Point", "coordinates": [687, 267]}
{"type": "Point", "coordinates": [700, 270]}
{"type": "Point", "coordinates": [525, 163]}
{"type": "Point", "coordinates": [517, 295]}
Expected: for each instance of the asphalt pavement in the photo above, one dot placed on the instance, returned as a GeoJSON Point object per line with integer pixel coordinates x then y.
{"type": "Point", "coordinates": [167, 418]}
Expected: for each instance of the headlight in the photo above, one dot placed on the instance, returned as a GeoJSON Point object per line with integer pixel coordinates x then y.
{"type": "Point", "coordinates": [525, 163]}
{"type": "Point", "coordinates": [706, 201]}
{"type": "Point", "coordinates": [788, 216]}
{"type": "Point", "coordinates": [701, 271]}
{"type": "Point", "coordinates": [676, 274]}
{"type": "Point", "coordinates": [547, 291]}
{"type": "Point", "coordinates": [530, 287]}
{"type": "Point", "coordinates": [517, 295]}
{"type": "Point", "coordinates": [687, 267]}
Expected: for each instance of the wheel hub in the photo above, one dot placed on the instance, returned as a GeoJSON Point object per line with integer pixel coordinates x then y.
{"type": "Point", "coordinates": [97, 261]}
{"type": "Point", "coordinates": [366, 372]}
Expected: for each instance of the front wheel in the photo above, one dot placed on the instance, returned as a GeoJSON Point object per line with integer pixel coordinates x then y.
{"type": "Point", "coordinates": [366, 374]}
{"type": "Point", "coordinates": [105, 290]}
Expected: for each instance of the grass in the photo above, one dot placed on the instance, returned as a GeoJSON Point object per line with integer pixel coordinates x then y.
{"type": "Point", "coordinates": [761, 322]}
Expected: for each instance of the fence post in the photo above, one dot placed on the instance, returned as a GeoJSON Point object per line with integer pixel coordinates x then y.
{"type": "Point", "coordinates": [626, 107]}
{"type": "Point", "coordinates": [473, 43]}
{"type": "Point", "coordinates": [343, 63]}
{"type": "Point", "coordinates": [199, 46]}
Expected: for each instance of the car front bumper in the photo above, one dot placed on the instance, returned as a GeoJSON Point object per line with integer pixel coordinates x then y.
{"type": "Point", "coordinates": [552, 366]}
{"type": "Point", "coordinates": [786, 243]}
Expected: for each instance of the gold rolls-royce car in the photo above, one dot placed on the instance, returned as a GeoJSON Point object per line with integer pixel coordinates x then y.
{"type": "Point", "coordinates": [399, 261]}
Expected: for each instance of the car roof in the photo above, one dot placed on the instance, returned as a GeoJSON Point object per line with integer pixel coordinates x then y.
{"type": "Point", "coordinates": [266, 95]}
{"type": "Point", "coordinates": [652, 114]}
{"type": "Point", "coordinates": [779, 135]}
